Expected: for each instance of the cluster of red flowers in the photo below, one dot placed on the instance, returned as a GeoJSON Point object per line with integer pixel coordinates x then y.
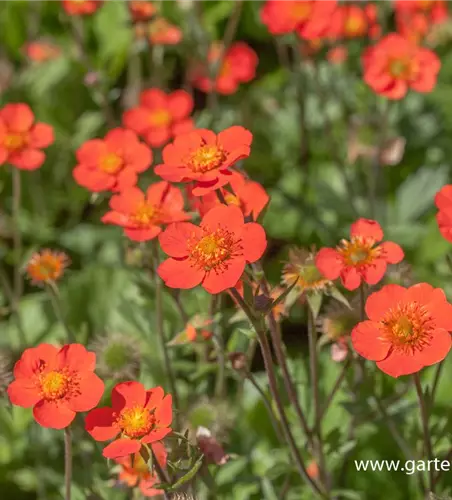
{"type": "Point", "coordinates": [443, 201]}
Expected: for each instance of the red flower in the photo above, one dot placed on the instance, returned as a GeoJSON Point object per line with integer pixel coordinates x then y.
{"type": "Point", "coordinates": [238, 66]}
{"type": "Point", "coordinates": [395, 64]}
{"type": "Point", "coordinates": [408, 328]}
{"type": "Point", "coordinates": [137, 416]}
{"type": "Point", "coordinates": [204, 157]}
{"type": "Point", "coordinates": [41, 51]}
{"type": "Point", "coordinates": [415, 18]}
{"type": "Point", "coordinates": [161, 32]}
{"type": "Point", "coordinates": [135, 471]}
{"type": "Point", "coordinates": [142, 215]}
{"type": "Point", "coordinates": [141, 10]}
{"type": "Point", "coordinates": [352, 21]}
{"type": "Point", "coordinates": [81, 7]}
{"type": "Point", "coordinates": [360, 258]}
{"type": "Point", "coordinates": [47, 266]}
{"type": "Point", "coordinates": [21, 140]}
{"type": "Point", "coordinates": [160, 116]}
{"type": "Point", "coordinates": [337, 55]}
{"type": "Point", "coordinates": [248, 195]}
{"type": "Point", "coordinates": [443, 200]}
{"type": "Point", "coordinates": [213, 254]}
{"type": "Point", "coordinates": [111, 163]}
{"type": "Point", "coordinates": [57, 383]}
{"type": "Point", "coordinates": [309, 18]}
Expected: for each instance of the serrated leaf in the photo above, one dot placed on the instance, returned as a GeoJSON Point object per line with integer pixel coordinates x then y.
{"type": "Point", "coordinates": [189, 475]}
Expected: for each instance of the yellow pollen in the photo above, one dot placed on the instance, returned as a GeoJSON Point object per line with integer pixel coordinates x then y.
{"type": "Point", "coordinates": [145, 215]}
{"type": "Point", "coordinates": [135, 422]}
{"type": "Point", "coordinates": [354, 25]}
{"type": "Point", "coordinates": [404, 69]}
{"type": "Point", "coordinates": [214, 250]}
{"type": "Point", "coordinates": [54, 385]}
{"type": "Point", "coordinates": [206, 158]}
{"type": "Point", "coordinates": [359, 251]}
{"type": "Point", "coordinates": [13, 142]}
{"type": "Point", "coordinates": [407, 327]}
{"type": "Point", "coordinates": [160, 118]}
{"type": "Point", "coordinates": [111, 163]}
{"type": "Point", "coordinates": [231, 199]}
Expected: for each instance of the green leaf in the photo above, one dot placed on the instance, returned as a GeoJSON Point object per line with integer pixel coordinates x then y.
{"type": "Point", "coordinates": [336, 294]}
{"type": "Point", "coordinates": [189, 475]}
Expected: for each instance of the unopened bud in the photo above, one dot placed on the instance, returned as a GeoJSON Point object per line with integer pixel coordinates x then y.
{"type": "Point", "coordinates": [238, 361]}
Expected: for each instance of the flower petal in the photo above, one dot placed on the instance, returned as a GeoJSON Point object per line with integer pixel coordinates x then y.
{"type": "Point", "coordinates": [216, 282]}
{"type": "Point", "coordinates": [437, 349]}
{"type": "Point", "coordinates": [128, 394]}
{"type": "Point", "coordinates": [350, 278]}
{"type": "Point", "coordinates": [76, 357]}
{"type": "Point", "coordinates": [254, 241]}
{"type": "Point", "coordinates": [224, 216]}
{"type": "Point", "coordinates": [17, 117]}
{"type": "Point", "coordinates": [374, 272]}
{"type": "Point", "coordinates": [164, 412]}
{"type": "Point", "coordinates": [154, 397]}
{"type": "Point", "coordinates": [174, 240]}
{"type": "Point", "coordinates": [24, 393]}
{"type": "Point", "coordinates": [41, 136]}
{"type": "Point", "coordinates": [180, 273]}
{"type": "Point", "coordinates": [399, 363]}
{"type": "Point", "coordinates": [156, 435]}
{"type": "Point", "coordinates": [90, 391]}
{"type": "Point", "coordinates": [367, 228]}
{"type": "Point", "coordinates": [378, 303]}
{"type": "Point", "coordinates": [53, 414]}
{"type": "Point", "coordinates": [33, 359]}
{"type": "Point", "coordinates": [28, 159]}
{"type": "Point", "coordinates": [392, 252]}
{"type": "Point", "coordinates": [329, 262]}
{"type": "Point", "coordinates": [121, 448]}
{"type": "Point", "coordinates": [99, 424]}
{"type": "Point", "coordinates": [367, 341]}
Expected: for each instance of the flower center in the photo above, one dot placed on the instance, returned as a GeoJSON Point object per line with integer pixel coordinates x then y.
{"type": "Point", "coordinates": [213, 250]}
{"type": "Point", "coordinates": [359, 251]}
{"type": "Point", "coordinates": [231, 199]}
{"type": "Point", "coordinates": [160, 118]}
{"type": "Point", "coordinates": [111, 163]}
{"type": "Point", "coordinates": [135, 422]}
{"type": "Point", "coordinates": [403, 69]}
{"type": "Point", "coordinates": [145, 215]}
{"type": "Point", "coordinates": [354, 25]}
{"type": "Point", "coordinates": [48, 268]}
{"type": "Point", "coordinates": [14, 142]}
{"type": "Point", "coordinates": [408, 326]}
{"type": "Point", "coordinates": [54, 385]}
{"type": "Point", "coordinates": [206, 158]}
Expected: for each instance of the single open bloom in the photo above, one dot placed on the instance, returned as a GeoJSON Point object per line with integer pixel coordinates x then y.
{"type": "Point", "coordinates": [135, 471]}
{"type": "Point", "coordinates": [81, 7]}
{"type": "Point", "coordinates": [213, 254]}
{"type": "Point", "coordinates": [142, 214]}
{"type": "Point", "coordinates": [112, 163]}
{"type": "Point", "coordinates": [204, 157]}
{"type": "Point", "coordinates": [56, 382]}
{"type": "Point", "coordinates": [137, 416]}
{"type": "Point", "coordinates": [309, 18]}
{"type": "Point", "coordinates": [41, 51]}
{"type": "Point", "coordinates": [361, 258]}
{"type": "Point", "coordinates": [395, 64]}
{"type": "Point", "coordinates": [408, 328]}
{"type": "Point", "coordinates": [248, 195]}
{"type": "Point", "coordinates": [21, 139]}
{"type": "Point", "coordinates": [443, 200]}
{"type": "Point", "coordinates": [47, 266]}
{"type": "Point", "coordinates": [160, 116]}
{"type": "Point", "coordinates": [141, 10]}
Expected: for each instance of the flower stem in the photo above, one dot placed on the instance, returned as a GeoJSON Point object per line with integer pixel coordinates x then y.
{"type": "Point", "coordinates": [54, 295]}
{"type": "Point", "coordinates": [161, 332]}
{"type": "Point", "coordinates": [362, 301]}
{"type": "Point", "coordinates": [217, 338]}
{"type": "Point", "coordinates": [425, 428]}
{"type": "Point", "coordinates": [67, 463]}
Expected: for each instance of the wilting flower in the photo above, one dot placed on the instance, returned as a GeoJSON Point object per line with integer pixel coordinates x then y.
{"type": "Point", "coordinates": [112, 163]}
{"type": "Point", "coordinates": [394, 65]}
{"type": "Point", "coordinates": [309, 18]}
{"type": "Point", "coordinates": [56, 382]}
{"type": "Point", "coordinates": [210, 447]}
{"type": "Point", "coordinates": [134, 471]}
{"type": "Point", "coordinates": [81, 7]}
{"type": "Point", "coordinates": [160, 116]}
{"type": "Point", "coordinates": [41, 51]}
{"type": "Point", "coordinates": [248, 195]}
{"type": "Point", "coordinates": [142, 214]}
{"type": "Point", "coordinates": [408, 328]}
{"type": "Point", "coordinates": [137, 416]}
{"type": "Point", "coordinates": [204, 157]}
{"type": "Point", "coordinates": [117, 357]}
{"type": "Point", "coordinates": [361, 258]}
{"type": "Point", "coordinates": [21, 139]}
{"type": "Point", "coordinates": [237, 65]}
{"type": "Point", "coordinates": [162, 32]}
{"type": "Point", "coordinates": [47, 266]}
{"type": "Point", "coordinates": [141, 10]}
{"type": "Point", "coordinates": [198, 328]}
{"type": "Point", "coordinates": [213, 254]}
{"type": "Point", "coordinates": [443, 201]}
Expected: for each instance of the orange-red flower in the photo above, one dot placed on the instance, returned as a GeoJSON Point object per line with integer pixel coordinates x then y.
{"type": "Point", "coordinates": [112, 163]}
{"type": "Point", "coordinates": [162, 32]}
{"type": "Point", "coordinates": [41, 51]}
{"type": "Point", "coordinates": [353, 21]}
{"type": "Point", "coordinates": [81, 7]}
{"type": "Point", "coordinates": [361, 258]}
{"type": "Point", "coordinates": [443, 200]}
{"type": "Point", "coordinates": [337, 55]}
{"type": "Point", "coordinates": [237, 66]}
{"type": "Point", "coordinates": [415, 18]}
{"type": "Point", "coordinates": [142, 214]}
{"type": "Point", "coordinates": [213, 254]}
{"type": "Point", "coordinates": [56, 382]}
{"type": "Point", "coordinates": [408, 328]}
{"type": "Point", "coordinates": [160, 116]}
{"type": "Point", "coordinates": [135, 471]}
{"type": "Point", "coordinates": [47, 266]}
{"type": "Point", "coordinates": [204, 157]}
{"type": "Point", "coordinates": [309, 18]}
{"type": "Point", "coordinates": [249, 195]}
{"type": "Point", "coordinates": [141, 10]}
{"type": "Point", "coordinates": [21, 139]}
{"type": "Point", "coordinates": [395, 64]}
{"type": "Point", "coordinates": [137, 416]}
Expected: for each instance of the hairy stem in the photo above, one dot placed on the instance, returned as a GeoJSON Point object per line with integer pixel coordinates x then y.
{"type": "Point", "coordinates": [67, 463]}
{"type": "Point", "coordinates": [54, 295]}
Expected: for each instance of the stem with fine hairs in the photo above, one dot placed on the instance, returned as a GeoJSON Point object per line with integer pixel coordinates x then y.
{"type": "Point", "coordinates": [54, 295]}
{"type": "Point", "coordinates": [67, 463]}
